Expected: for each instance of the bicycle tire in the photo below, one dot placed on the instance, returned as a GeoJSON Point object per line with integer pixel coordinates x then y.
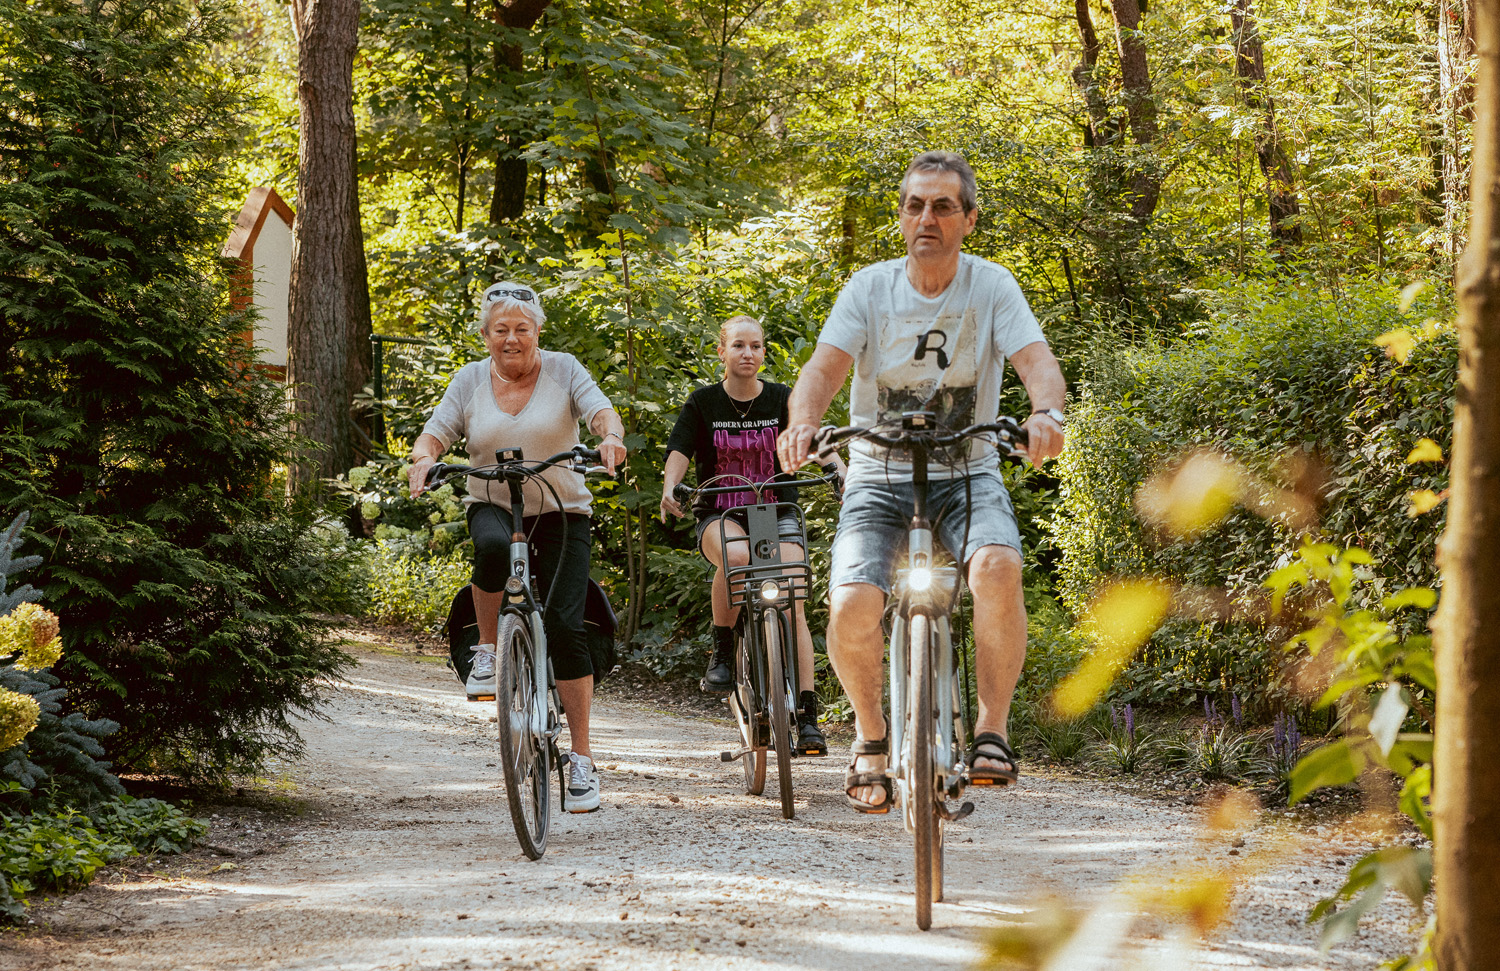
{"type": "Point", "coordinates": [924, 801]}
{"type": "Point", "coordinates": [746, 715]}
{"type": "Point", "coordinates": [524, 754]}
{"type": "Point", "coordinates": [781, 725]}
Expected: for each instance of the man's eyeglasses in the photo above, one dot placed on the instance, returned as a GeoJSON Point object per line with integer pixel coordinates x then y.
{"type": "Point", "coordinates": [525, 294]}
{"type": "Point", "coordinates": [939, 207]}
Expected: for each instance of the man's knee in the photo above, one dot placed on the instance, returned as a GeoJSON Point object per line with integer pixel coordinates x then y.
{"type": "Point", "coordinates": [855, 608]}
{"type": "Point", "coordinates": [995, 571]}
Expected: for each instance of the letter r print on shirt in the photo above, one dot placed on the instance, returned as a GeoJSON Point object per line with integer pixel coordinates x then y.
{"type": "Point", "coordinates": [924, 345]}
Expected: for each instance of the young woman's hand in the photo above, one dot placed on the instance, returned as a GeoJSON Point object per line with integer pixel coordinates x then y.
{"type": "Point", "coordinates": [670, 505]}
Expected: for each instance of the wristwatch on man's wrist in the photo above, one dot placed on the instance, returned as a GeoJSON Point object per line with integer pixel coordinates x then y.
{"type": "Point", "coordinates": [1054, 413]}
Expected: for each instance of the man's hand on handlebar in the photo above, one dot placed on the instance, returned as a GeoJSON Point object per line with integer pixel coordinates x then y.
{"type": "Point", "coordinates": [794, 446]}
{"type": "Point", "coordinates": [1044, 438]}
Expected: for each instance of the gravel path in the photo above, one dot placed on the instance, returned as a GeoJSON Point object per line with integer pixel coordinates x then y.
{"type": "Point", "coordinates": [403, 858]}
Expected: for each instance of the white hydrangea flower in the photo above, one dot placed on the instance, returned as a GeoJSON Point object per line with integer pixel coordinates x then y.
{"type": "Point", "coordinates": [370, 510]}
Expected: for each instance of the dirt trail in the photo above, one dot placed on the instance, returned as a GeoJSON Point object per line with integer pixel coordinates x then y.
{"type": "Point", "coordinates": [405, 859]}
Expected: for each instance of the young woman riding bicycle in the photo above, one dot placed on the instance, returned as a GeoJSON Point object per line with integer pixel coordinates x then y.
{"type": "Point", "coordinates": [730, 429]}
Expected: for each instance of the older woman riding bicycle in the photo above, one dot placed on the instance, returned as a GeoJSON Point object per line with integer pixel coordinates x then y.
{"type": "Point", "coordinates": [521, 396]}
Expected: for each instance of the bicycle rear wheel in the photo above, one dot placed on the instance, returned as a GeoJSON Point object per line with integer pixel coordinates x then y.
{"type": "Point", "coordinates": [742, 702]}
{"type": "Point", "coordinates": [923, 807]}
{"type": "Point", "coordinates": [779, 690]}
{"type": "Point", "coordinates": [525, 755]}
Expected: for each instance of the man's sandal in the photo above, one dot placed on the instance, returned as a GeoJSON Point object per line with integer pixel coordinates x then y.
{"type": "Point", "coordinates": [988, 745]}
{"type": "Point", "coordinates": [868, 777]}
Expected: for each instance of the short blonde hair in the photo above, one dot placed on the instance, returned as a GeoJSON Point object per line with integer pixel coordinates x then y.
{"type": "Point", "coordinates": [738, 319]}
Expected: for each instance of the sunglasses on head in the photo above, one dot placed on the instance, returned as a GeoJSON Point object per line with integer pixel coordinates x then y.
{"type": "Point", "coordinates": [519, 293]}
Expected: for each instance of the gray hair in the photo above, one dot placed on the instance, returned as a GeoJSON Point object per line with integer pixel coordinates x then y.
{"type": "Point", "coordinates": [968, 192]}
{"type": "Point", "coordinates": [496, 300]}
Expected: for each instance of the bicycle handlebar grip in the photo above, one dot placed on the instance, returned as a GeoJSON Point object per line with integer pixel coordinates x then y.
{"type": "Point", "coordinates": [438, 470]}
{"type": "Point", "coordinates": [590, 456]}
{"type": "Point", "coordinates": [682, 493]}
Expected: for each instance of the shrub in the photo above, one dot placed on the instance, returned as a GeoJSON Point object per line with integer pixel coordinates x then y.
{"type": "Point", "coordinates": [60, 763]}
{"type": "Point", "coordinates": [1215, 752]}
{"type": "Point", "coordinates": [407, 589]}
{"type": "Point", "coordinates": [61, 851]}
{"type": "Point", "coordinates": [1290, 382]}
{"type": "Point", "coordinates": [133, 420]}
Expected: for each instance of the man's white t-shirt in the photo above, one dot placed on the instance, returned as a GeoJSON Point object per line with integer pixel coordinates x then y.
{"type": "Point", "coordinates": [944, 354]}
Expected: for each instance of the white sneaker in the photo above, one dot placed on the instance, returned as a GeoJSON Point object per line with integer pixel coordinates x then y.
{"type": "Point", "coordinates": [582, 795]}
{"type": "Point", "coordinates": [481, 683]}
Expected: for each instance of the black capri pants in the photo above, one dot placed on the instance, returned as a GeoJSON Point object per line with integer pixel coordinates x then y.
{"type": "Point", "coordinates": [561, 571]}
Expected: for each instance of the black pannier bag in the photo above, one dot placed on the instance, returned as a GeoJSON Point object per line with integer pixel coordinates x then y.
{"type": "Point", "coordinates": [598, 625]}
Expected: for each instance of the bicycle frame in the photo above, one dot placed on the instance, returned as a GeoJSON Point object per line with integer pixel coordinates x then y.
{"type": "Point", "coordinates": [924, 588]}
{"type": "Point", "coordinates": [764, 535]}
{"type": "Point", "coordinates": [520, 599]}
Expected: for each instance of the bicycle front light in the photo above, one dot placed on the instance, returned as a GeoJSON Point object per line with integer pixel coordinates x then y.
{"type": "Point", "coordinates": [919, 579]}
{"type": "Point", "coordinates": [770, 591]}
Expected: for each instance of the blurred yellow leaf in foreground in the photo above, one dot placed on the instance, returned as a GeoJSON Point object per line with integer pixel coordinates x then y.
{"type": "Point", "coordinates": [1426, 450]}
{"type": "Point", "coordinates": [1119, 621]}
{"type": "Point", "coordinates": [1422, 501]}
{"type": "Point", "coordinates": [1192, 496]}
{"type": "Point", "coordinates": [1398, 344]}
{"type": "Point", "coordinates": [1411, 292]}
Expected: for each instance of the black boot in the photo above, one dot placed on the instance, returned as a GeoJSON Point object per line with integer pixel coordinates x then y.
{"type": "Point", "coordinates": [810, 740]}
{"type": "Point", "coordinates": [719, 679]}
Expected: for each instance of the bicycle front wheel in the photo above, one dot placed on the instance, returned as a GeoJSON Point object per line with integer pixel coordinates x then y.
{"type": "Point", "coordinates": [919, 765]}
{"type": "Point", "coordinates": [746, 709]}
{"type": "Point", "coordinates": [779, 689]}
{"type": "Point", "coordinates": [524, 753]}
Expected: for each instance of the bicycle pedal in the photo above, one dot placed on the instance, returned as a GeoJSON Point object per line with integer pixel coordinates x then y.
{"type": "Point", "coordinates": [481, 697]}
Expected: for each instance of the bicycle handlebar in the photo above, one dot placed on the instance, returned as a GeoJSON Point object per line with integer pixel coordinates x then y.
{"type": "Point", "coordinates": [686, 493]}
{"type": "Point", "coordinates": [579, 459]}
{"type": "Point", "coordinates": [1012, 437]}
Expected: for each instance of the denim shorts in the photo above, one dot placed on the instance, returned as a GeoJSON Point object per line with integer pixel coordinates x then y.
{"type": "Point", "coordinates": [875, 523]}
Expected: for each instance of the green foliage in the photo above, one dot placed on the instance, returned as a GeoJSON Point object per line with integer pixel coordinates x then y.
{"type": "Point", "coordinates": [1122, 744]}
{"type": "Point", "coordinates": [61, 851]}
{"type": "Point", "coordinates": [149, 825]}
{"type": "Point", "coordinates": [1381, 682]}
{"type": "Point", "coordinates": [407, 589]}
{"type": "Point", "coordinates": [57, 762]}
{"type": "Point", "coordinates": [1288, 381]}
{"type": "Point", "coordinates": [135, 425]}
{"type": "Point", "coordinates": [1215, 753]}
{"type": "Point", "coordinates": [60, 763]}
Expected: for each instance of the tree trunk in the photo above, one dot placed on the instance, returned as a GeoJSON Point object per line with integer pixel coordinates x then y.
{"type": "Point", "coordinates": [328, 352]}
{"type": "Point", "coordinates": [509, 199]}
{"type": "Point", "coordinates": [1135, 78]}
{"type": "Point", "coordinates": [1455, 58]}
{"type": "Point", "coordinates": [1466, 767]}
{"type": "Point", "coordinates": [1098, 131]}
{"type": "Point", "coordinates": [1250, 65]}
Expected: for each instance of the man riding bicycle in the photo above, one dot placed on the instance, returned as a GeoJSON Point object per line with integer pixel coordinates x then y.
{"type": "Point", "coordinates": [930, 332]}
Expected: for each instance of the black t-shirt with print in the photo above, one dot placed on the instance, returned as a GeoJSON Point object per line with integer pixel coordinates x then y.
{"type": "Point", "coordinates": [725, 437]}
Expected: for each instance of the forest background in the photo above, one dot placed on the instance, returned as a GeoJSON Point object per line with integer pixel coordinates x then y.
{"type": "Point", "coordinates": [1237, 223]}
